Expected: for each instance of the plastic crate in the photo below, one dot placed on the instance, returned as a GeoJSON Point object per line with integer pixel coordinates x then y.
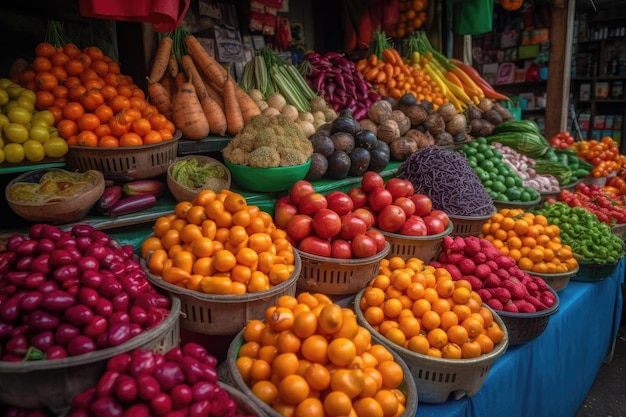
{"type": "Point", "coordinates": [126, 163]}
{"type": "Point", "coordinates": [524, 327]}
{"type": "Point", "coordinates": [556, 281]}
{"type": "Point", "coordinates": [216, 314]}
{"type": "Point", "coordinates": [439, 378]}
{"type": "Point", "coordinates": [425, 248]}
{"type": "Point", "coordinates": [469, 225]}
{"type": "Point", "coordinates": [338, 276]}
{"type": "Point", "coordinates": [408, 387]}
{"type": "Point", "coordinates": [51, 384]}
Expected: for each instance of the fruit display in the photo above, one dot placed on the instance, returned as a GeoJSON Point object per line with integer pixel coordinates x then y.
{"type": "Point", "coordinates": [130, 197]}
{"type": "Point", "coordinates": [218, 244]}
{"type": "Point", "coordinates": [311, 357]}
{"type": "Point", "coordinates": [607, 207]}
{"type": "Point", "coordinates": [496, 277]}
{"type": "Point", "coordinates": [530, 240]}
{"type": "Point", "coordinates": [502, 182]}
{"type": "Point", "coordinates": [590, 239]}
{"type": "Point", "coordinates": [421, 308]}
{"type": "Point", "coordinates": [562, 140]}
{"type": "Point", "coordinates": [524, 166]}
{"type": "Point", "coordinates": [603, 154]}
{"type": "Point", "coordinates": [563, 164]}
{"type": "Point", "coordinates": [70, 292]}
{"type": "Point", "coordinates": [522, 135]}
{"type": "Point", "coordinates": [181, 381]}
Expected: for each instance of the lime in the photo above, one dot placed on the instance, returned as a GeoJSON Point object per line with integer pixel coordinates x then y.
{"type": "Point", "coordinates": [487, 164]}
{"type": "Point", "coordinates": [509, 182]}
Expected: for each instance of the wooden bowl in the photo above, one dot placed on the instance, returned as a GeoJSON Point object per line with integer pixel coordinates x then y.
{"type": "Point", "coordinates": [183, 193]}
{"type": "Point", "coordinates": [59, 209]}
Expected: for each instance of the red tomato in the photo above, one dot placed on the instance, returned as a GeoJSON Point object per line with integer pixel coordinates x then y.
{"type": "Point", "coordinates": [326, 223]}
{"type": "Point", "coordinates": [312, 203]}
{"type": "Point", "coordinates": [299, 227]}
{"type": "Point", "coordinates": [367, 215]}
{"type": "Point", "coordinates": [340, 202]}
{"type": "Point", "coordinates": [315, 245]}
{"type": "Point", "coordinates": [379, 238]}
{"type": "Point", "coordinates": [391, 218]}
{"type": "Point", "coordinates": [434, 225]}
{"type": "Point", "coordinates": [399, 187]}
{"type": "Point", "coordinates": [363, 246]}
{"type": "Point", "coordinates": [406, 204]}
{"type": "Point", "coordinates": [441, 215]}
{"type": "Point", "coordinates": [351, 225]}
{"type": "Point", "coordinates": [299, 189]}
{"type": "Point", "coordinates": [378, 199]}
{"type": "Point", "coordinates": [358, 197]}
{"type": "Point", "coordinates": [423, 204]}
{"type": "Point", "coordinates": [341, 249]}
{"type": "Point", "coordinates": [414, 226]}
{"type": "Point", "coordinates": [284, 210]}
{"type": "Point", "coordinates": [371, 180]}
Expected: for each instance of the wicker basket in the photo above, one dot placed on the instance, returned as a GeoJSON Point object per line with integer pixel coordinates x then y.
{"type": "Point", "coordinates": [127, 163]}
{"type": "Point", "coordinates": [52, 384]}
{"type": "Point", "coordinates": [338, 276]}
{"type": "Point", "coordinates": [556, 281]}
{"type": "Point", "coordinates": [244, 405]}
{"type": "Point", "coordinates": [438, 378]}
{"type": "Point", "coordinates": [525, 205]}
{"type": "Point", "coordinates": [593, 272]}
{"type": "Point", "coordinates": [215, 314]}
{"type": "Point", "coordinates": [425, 248]}
{"type": "Point", "coordinates": [469, 225]}
{"type": "Point", "coordinates": [524, 327]}
{"type": "Point", "coordinates": [233, 376]}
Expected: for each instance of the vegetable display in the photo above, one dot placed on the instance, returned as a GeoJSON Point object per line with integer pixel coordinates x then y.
{"type": "Point", "coordinates": [447, 178]}
{"type": "Point", "coordinates": [608, 208]}
{"type": "Point", "coordinates": [181, 381]}
{"type": "Point", "coordinates": [604, 155]}
{"type": "Point", "coordinates": [522, 135]}
{"type": "Point", "coordinates": [524, 166]}
{"type": "Point", "coordinates": [66, 293]}
{"type": "Point", "coordinates": [590, 239]}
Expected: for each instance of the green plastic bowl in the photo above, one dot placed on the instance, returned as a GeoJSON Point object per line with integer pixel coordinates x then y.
{"type": "Point", "coordinates": [267, 180]}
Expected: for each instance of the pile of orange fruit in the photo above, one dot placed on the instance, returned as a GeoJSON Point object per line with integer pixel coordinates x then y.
{"type": "Point", "coordinates": [411, 17]}
{"type": "Point", "coordinates": [311, 358]}
{"type": "Point", "coordinates": [603, 154]}
{"type": "Point", "coordinates": [421, 308]}
{"type": "Point", "coordinates": [530, 240]}
{"type": "Point", "coordinates": [219, 244]}
{"type": "Point", "coordinates": [93, 103]}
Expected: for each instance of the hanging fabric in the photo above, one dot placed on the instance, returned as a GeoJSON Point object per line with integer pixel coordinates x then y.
{"type": "Point", "coordinates": [165, 15]}
{"type": "Point", "coordinates": [471, 17]}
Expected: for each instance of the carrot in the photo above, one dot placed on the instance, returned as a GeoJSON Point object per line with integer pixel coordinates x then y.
{"type": "Point", "coordinates": [161, 98]}
{"type": "Point", "coordinates": [186, 62]}
{"type": "Point", "coordinates": [161, 58]}
{"type": "Point", "coordinates": [248, 107]}
{"type": "Point", "coordinates": [172, 66]}
{"type": "Point", "coordinates": [215, 115]}
{"type": "Point", "coordinates": [214, 92]}
{"type": "Point", "coordinates": [213, 70]}
{"type": "Point", "coordinates": [168, 83]}
{"type": "Point", "coordinates": [234, 117]}
{"type": "Point", "coordinates": [180, 79]}
{"type": "Point", "coordinates": [187, 113]}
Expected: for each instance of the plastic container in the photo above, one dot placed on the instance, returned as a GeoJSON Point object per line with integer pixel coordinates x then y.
{"type": "Point", "coordinates": [338, 276]}
{"type": "Point", "coordinates": [524, 327]}
{"type": "Point", "coordinates": [267, 179]}
{"type": "Point", "coordinates": [556, 281]}
{"type": "Point", "coordinates": [52, 384]}
{"type": "Point", "coordinates": [469, 225]}
{"type": "Point", "coordinates": [425, 248]}
{"type": "Point", "coordinates": [408, 387]}
{"type": "Point", "coordinates": [216, 314]}
{"type": "Point", "coordinates": [439, 378]}
{"type": "Point", "coordinates": [126, 163]}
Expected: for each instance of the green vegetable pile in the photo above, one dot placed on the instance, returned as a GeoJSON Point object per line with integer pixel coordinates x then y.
{"type": "Point", "coordinates": [196, 175]}
{"type": "Point", "coordinates": [564, 164]}
{"type": "Point", "coordinates": [590, 239]}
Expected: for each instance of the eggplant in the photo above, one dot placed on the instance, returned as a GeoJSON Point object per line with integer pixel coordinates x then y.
{"type": "Point", "coordinates": [132, 204]}
{"type": "Point", "coordinates": [109, 198]}
{"type": "Point", "coordinates": [139, 187]}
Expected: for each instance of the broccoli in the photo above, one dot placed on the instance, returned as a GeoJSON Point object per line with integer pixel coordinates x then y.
{"type": "Point", "coordinates": [266, 137]}
{"type": "Point", "coordinates": [291, 156]}
{"type": "Point", "coordinates": [264, 157]}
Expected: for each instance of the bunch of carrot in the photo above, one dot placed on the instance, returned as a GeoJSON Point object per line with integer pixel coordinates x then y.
{"type": "Point", "coordinates": [195, 90]}
{"type": "Point", "coordinates": [391, 76]}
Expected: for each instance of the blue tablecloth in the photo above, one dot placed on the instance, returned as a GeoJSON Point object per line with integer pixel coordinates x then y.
{"type": "Point", "coordinates": [551, 375]}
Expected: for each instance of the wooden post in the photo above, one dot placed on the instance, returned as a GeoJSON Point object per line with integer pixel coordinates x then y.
{"type": "Point", "coordinates": [559, 65]}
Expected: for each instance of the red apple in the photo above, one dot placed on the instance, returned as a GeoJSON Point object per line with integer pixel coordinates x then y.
{"type": "Point", "coordinates": [299, 189]}
{"type": "Point", "coordinates": [326, 223]}
{"type": "Point", "coordinates": [414, 226]}
{"type": "Point", "coordinates": [441, 215]}
{"type": "Point", "coordinates": [434, 226]}
{"type": "Point", "coordinates": [300, 226]}
{"type": "Point", "coordinates": [406, 204]}
{"type": "Point", "coordinates": [379, 238]}
{"type": "Point", "coordinates": [367, 215]}
{"type": "Point", "coordinates": [399, 187]}
{"type": "Point", "coordinates": [339, 202]}
{"type": "Point", "coordinates": [371, 180]}
{"type": "Point", "coordinates": [363, 246]}
{"type": "Point", "coordinates": [340, 249]}
{"type": "Point", "coordinates": [358, 197]}
{"type": "Point", "coordinates": [423, 204]}
{"type": "Point", "coordinates": [315, 245]}
{"type": "Point", "coordinates": [391, 218]}
{"type": "Point", "coordinates": [283, 211]}
{"type": "Point", "coordinates": [351, 225]}
{"type": "Point", "coordinates": [312, 203]}
{"type": "Point", "coordinates": [378, 199]}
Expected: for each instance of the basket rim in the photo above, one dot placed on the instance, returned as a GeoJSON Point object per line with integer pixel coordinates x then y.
{"type": "Point", "coordinates": [221, 298]}
{"type": "Point", "coordinates": [498, 350]}
{"type": "Point", "coordinates": [177, 135]}
{"type": "Point", "coordinates": [446, 232]}
{"type": "Point", "coordinates": [98, 355]}
{"type": "Point", "coordinates": [494, 210]}
{"type": "Point", "coordinates": [520, 204]}
{"type": "Point", "coordinates": [352, 262]}
{"type": "Point", "coordinates": [408, 380]}
{"type": "Point", "coordinates": [308, 162]}
{"type": "Point", "coordinates": [539, 314]}
{"type": "Point", "coordinates": [554, 275]}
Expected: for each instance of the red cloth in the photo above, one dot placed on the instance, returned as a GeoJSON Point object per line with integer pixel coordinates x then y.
{"type": "Point", "coordinates": [165, 15]}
